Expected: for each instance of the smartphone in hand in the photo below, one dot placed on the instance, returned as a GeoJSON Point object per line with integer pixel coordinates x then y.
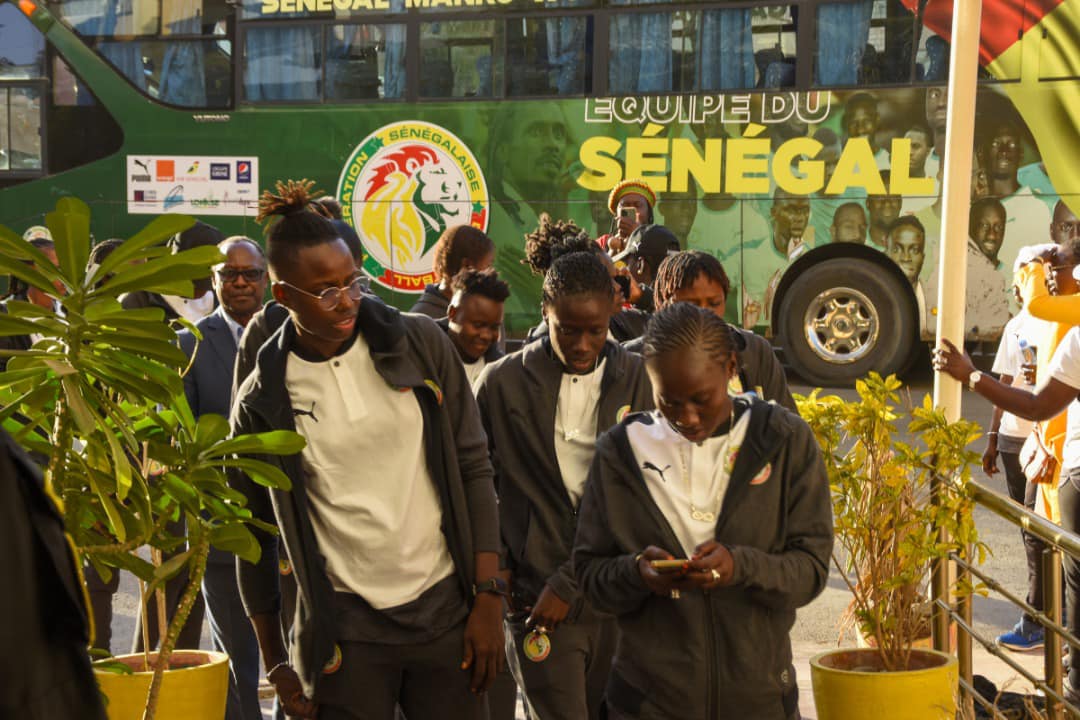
{"type": "Point", "coordinates": [669, 566]}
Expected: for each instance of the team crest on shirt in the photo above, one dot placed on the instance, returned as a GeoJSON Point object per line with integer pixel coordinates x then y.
{"type": "Point", "coordinates": [435, 389]}
{"type": "Point", "coordinates": [401, 187]}
{"type": "Point", "coordinates": [334, 664]}
{"type": "Point", "coordinates": [762, 477]}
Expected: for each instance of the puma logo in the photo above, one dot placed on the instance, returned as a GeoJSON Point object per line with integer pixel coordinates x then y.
{"type": "Point", "coordinates": [649, 466]}
{"type": "Point", "coordinates": [144, 165]}
{"type": "Point", "coordinates": [310, 413]}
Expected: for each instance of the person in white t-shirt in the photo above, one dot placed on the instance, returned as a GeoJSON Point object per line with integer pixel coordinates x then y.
{"type": "Point", "coordinates": [1014, 365]}
{"type": "Point", "coordinates": [1056, 393]}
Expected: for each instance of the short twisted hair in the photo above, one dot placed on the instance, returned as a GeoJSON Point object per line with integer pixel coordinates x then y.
{"type": "Point", "coordinates": [292, 221]}
{"type": "Point", "coordinates": [485, 283]}
{"type": "Point", "coordinates": [681, 325]}
{"type": "Point", "coordinates": [553, 239]}
{"type": "Point", "coordinates": [578, 273]}
{"type": "Point", "coordinates": [681, 270]}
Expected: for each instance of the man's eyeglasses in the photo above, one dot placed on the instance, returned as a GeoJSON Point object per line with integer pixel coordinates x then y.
{"type": "Point", "coordinates": [330, 298]}
{"type": "Point", "coordinates": [229, 274]}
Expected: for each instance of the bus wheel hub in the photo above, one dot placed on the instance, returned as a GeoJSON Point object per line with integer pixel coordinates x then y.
{"type": "Point", "coordinates": [841, 325]}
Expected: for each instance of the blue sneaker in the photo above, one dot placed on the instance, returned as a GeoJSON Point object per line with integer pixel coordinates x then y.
{"type": "Point", "coordinates": [1024, 636]}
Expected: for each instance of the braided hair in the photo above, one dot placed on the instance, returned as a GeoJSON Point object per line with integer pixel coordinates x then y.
{"type": "Point", "coordinates": [458, 244]}
{"type": "Point", "coordinates": [293, 220]}
{"type": "Point", "coordinates": [577, 273]}
{"type": "Point", "coordinates": [553, 239]}
{"type": "Point", "coordinates": [485, 283]}
{"type": "Point", "coordinates": [680, 326]}
{"type": "Point", "coordinates": [681, 270]}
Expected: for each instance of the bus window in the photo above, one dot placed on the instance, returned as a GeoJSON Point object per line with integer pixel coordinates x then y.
{"type": "Point", "coordinates": [175, 51]}
{"type": "Point", "coordinates": [641, 53]}
{"type": "Point", "coordinates": [79, 128]}
{"type": "Point", "coordinates": [22, 47]}
{"type": "Point", "coordinates": [281, 63]}
{"type": "Point", "coordinates": [727, 50]}
{"type": "Point", "coordinates": [365, 61]}
{"type": "Point", "coordinates": [774, 46]}
{"type": "Point", "coordinates": [683, 51]}
{"type": "Point", "coordinates": [22, 73]}
{"type": "Point", "coordinates": [23, 146]}
{"type": "Point", "coordinates": [461, 58]}
{"type": "Point", "coordinates": [866, 42]}
{"type": "Point", "coordinates": [549, 56]}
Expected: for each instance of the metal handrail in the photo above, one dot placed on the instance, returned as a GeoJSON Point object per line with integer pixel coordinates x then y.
{"type": "Point", "coordinates": [1028, 521]}
{"type": "Point", "coordinates": [1058, 540]}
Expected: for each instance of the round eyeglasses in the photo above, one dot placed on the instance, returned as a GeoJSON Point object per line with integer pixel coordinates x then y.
{"type": "Point", "coordinates": [330, 298]}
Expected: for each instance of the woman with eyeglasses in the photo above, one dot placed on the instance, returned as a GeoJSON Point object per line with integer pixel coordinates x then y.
{"type": "Point", "coordinates": [390, 524]}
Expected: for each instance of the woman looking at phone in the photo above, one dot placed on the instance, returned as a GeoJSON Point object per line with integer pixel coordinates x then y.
{"type": "Point", "coordinates": [732, 487]}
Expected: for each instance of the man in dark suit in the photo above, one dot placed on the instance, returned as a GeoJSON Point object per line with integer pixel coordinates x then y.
{"type": "Point", "coordinates": [240, 286]}
{"type": "Point", "coordinates": [43, 623]}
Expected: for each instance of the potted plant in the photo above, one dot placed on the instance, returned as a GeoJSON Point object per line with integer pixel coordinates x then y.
{"type": "Point", "coordinates": [886, 544]}
{"type": "Point", "coordinates": [99, 399]}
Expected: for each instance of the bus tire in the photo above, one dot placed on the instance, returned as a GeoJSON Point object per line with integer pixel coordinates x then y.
{"type": "Point", "coordinates": [844, 317]}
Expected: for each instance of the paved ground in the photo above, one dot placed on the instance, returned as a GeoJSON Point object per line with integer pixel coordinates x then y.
{"type": "Point", "coordinates": [815, 630]}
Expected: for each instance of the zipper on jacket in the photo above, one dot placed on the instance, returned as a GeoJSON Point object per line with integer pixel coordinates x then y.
{"type": "Point", "coordinates": [710, 658]}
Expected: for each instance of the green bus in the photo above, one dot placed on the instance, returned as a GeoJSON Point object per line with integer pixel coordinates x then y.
{"type": "Point", "coordinates": [799, 141]}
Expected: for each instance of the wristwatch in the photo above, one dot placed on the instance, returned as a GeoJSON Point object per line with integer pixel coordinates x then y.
{"type": "Point", "coordinates": [494, 585]}
{"type": "Point", "coordinates": [973, 378]}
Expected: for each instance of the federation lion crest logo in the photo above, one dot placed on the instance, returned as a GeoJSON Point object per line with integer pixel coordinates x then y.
{"type": "Point", "coordinates": [401, 188]}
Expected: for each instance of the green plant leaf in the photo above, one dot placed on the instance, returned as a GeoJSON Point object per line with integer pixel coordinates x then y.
{"type": "Point", "coordinates": [70, 228]}
{"type": "Point", "coordinates": [13, 325]}
{"type": "Point", "coordinates": [275, 442]}
{"type": "Point", "coordinates": [156, 232]}
{"type": "Point", "coordinates": [80, 409]}
{"type": "Point", "coordinates": [17, 256]}
{"type": "Point", "coordinates": [260, 472]}
{"type": "Point", "coordinates": [173, 565]}
{"type": "Point", "coordinates": [210, 429]}
{"type": "Point", "coordinates": [164, 272]}
{"type": "Point", "coordinates": [238, 540]}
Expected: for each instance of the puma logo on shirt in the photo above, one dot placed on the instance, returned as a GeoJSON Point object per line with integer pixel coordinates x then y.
{"type": "Point", "coordinates": [310, 413]}
{"type": "Point", "coordinates": [649, 466]}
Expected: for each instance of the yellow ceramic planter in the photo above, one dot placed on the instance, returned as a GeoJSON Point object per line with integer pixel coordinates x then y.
{"type": "Point", "coordinates": [926, 693]}
{"type": "Point", "coordinates": [196, 688]}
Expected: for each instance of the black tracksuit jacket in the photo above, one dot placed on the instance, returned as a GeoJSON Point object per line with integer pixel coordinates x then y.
{"type": "Point", "coordinates": [723, 654]}
{"type": "Point", "coordinates": [517, 398]}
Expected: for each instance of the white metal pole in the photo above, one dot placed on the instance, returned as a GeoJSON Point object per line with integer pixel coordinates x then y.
{"type": "Point", "coordinates": [956, 192]}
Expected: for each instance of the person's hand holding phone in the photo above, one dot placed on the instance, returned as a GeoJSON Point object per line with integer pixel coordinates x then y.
{"type": "Point", "coordinates": [661, 580]}
{"type": "Point", "coordinates": [712, 565]}
{"type": "Point", "coordinates": [628, 221]}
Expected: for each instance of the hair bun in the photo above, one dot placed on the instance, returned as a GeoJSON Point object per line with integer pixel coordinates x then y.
{"type": "Point", "coordinates": [292, 196]}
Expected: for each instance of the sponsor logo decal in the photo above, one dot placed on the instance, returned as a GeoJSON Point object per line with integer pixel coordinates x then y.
{"type": "Point", "coordinates": [165, 170]}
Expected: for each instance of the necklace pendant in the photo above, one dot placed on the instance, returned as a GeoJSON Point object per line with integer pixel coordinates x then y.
{"type": "Point", "coordinates": [702, 516]}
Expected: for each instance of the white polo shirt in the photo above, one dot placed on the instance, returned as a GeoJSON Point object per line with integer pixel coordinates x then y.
{"type": "Point", "coordinates": [687, 480]}
{"type": "Point", "coordinates": [577, 413]}
{"type": "Point", "coordinates": [374, 507]}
